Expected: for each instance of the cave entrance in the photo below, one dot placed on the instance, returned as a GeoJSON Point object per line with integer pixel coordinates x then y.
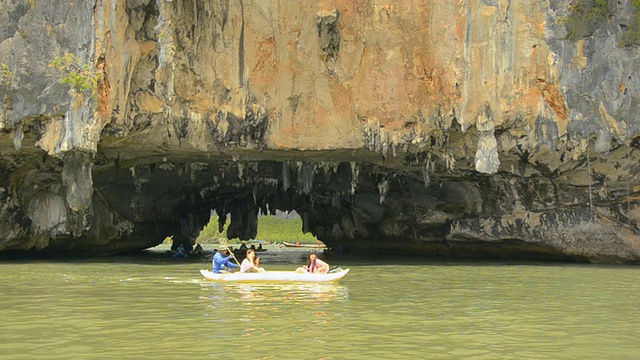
{"type": "Point", "coordinates": [263, 200]}
{"type": "Point", "coordinates": [276, 228]}
{"type": "Point", "coordinates": [169, 198]}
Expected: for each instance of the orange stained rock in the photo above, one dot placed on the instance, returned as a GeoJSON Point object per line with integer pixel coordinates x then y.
{"type": "Point", "coordinates": [265, 63]}
{"type": "Point", "coordinates": [555, 100]}
{"type": "Point", "coordinates": [398, 62]}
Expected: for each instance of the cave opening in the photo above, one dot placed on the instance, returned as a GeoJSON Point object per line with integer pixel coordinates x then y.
{"type": "Point", "coordinates": [358, 206]}
{"type": "Point", "coordinates": [277, 228]}
{"type": "Point", "coordinates": [177, 199]}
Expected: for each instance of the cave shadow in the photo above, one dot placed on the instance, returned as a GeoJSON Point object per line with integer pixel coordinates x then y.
{"type": "Point", "coordinates": [152, 256]}
{"type": "Point", "coordinates": [425, 260]}
{"type": "Point", "coordinates": [281, 258]}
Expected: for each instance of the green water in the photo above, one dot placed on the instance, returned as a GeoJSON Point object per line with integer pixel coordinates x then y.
{"type": "Point", "coordinates": [151, 308]}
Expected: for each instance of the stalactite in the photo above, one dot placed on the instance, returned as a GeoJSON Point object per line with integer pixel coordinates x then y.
{"type": "Point", "coordinates": [254, 192]}
{"type": "Point", "coordinates": [335, 200]}
{"type": "Point", "coordinates": [450, 161]}
{"type": "Point", "coordinates": [305, 223]}
{"type": "Point", "coordinates": [384, 142]}
{"type": "Point", "coordinates": [264, 205]}
{"type": "Point", "coordinates": [272, 211]}
{"type": "Point", "coordinates": [383, 188]}
{"type": "Point", "coordinates": [426, 176]}
{"type": "Point", "coordinates": [286, 176]}
{"type": "Point", "coordinates": [298, 176]}
{"type": "Point", "coordinates": [307, 178]}
{"type": "Point", "coordinates": [221, 210]}
{"type": "Point", "coordinates": [327, 172]}
{"type": "Point", "coordinates": [354, 177]}
{"type": "Point", "coordinates": [241, 172]}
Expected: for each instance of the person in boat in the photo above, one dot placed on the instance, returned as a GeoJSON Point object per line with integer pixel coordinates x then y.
{"type": "Point", "coordinates": [251, 263]}
{"type": "Point", "coordinates": [314, 265]}
{"type": "Point", "coordinates": [243, 247]}
{"type": "Point", "coordinates": [253, 247]}
{"type": "Point", "coordinates": [260, 247]}
{"type": "Point", "coordinates": [197, 250]}
{"type": "Point", "coordinates": [222, 260]}
{"type": "Point", "coordinates": [180, 253]}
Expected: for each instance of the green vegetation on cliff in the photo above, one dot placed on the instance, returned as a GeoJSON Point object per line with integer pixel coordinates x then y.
{"type": "Point", "coordinates": [585, 16]}
{"type": "Point", "coordinates": [631, 36]}
{"type": "Point", "coordinates": [80, 77]}
{"type": "Point", "coordinates": [6, 76]}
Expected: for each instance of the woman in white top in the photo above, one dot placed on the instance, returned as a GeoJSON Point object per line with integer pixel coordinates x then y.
{"type": "Point", "coordinates": [250, 263]}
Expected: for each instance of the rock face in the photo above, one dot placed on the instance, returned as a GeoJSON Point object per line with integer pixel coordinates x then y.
{"type": "Point", "coordinates": [449, 128]}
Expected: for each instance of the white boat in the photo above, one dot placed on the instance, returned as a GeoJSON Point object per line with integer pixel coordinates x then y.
{"type": "Point", "coordinates": [275, 276]}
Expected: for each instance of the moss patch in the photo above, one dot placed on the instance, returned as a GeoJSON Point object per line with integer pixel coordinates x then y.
{"type": "Point", "coordinates": [631, 35]}
{"type": "Point", "coordinates": [585, 16]}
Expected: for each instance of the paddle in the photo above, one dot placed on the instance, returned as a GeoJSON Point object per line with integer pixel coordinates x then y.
{"type": "Point", "coordinates": [223, 241]}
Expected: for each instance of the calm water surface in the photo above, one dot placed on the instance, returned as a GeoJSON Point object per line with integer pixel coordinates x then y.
{"type": "Point", "coordinates": [141, 308]}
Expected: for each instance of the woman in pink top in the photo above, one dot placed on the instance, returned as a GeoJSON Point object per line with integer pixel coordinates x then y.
{"type": "Point", "coordinates": [314, 265]}
{"type": "Point", "coordinates": [250, 263]}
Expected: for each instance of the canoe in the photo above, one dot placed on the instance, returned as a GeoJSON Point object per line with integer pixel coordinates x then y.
{"type": "Point", "coordinates": [309, 246]}
{"type": "Point", "coordinates": [275, 276]}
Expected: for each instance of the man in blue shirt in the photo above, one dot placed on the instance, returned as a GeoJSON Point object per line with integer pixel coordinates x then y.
{"type": "Point", "coordinates": [222, 260]}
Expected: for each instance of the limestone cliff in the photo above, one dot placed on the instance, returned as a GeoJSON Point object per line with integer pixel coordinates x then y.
{"type": "Point", "coordinates": [457, 128]}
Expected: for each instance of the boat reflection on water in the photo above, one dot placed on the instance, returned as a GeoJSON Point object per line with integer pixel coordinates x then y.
{"type": "Point", "coordinates": [289, 293]}
{"type": "Point", "coordinates": [273, 312]}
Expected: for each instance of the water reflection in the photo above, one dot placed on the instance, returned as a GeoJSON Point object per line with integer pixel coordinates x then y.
{"type": "Point", "coordinates": [290, 293]}
{"type": "Point", "coordinates": [274, 314]}
{"type": "Point", "coordinates": [149, 311]}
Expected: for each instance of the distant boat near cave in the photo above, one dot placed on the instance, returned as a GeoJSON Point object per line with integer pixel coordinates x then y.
{"type": "Point", "coordinates": [320, 245]}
